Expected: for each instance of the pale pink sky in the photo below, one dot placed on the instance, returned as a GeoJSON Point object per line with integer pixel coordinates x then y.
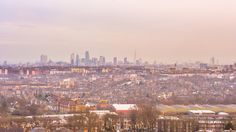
{"type": "Point", "coordinates": [162, 30]}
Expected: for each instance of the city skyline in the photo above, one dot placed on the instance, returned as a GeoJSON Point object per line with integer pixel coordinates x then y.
{"type": "Point", "coordinates": [82, 59]}
{"type": "Point", "coordinates": [162, 31]}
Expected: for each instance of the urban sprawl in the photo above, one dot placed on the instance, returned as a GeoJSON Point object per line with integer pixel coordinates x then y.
{"type": "Point", "coordinates": [92, 95]}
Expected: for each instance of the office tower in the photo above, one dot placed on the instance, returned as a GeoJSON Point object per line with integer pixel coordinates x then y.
{"type": "Point", "coordinates": [212, 61]}
{"type": "Point", "coordinates": [102, 60]}
{"type": "Point", "coordinates": [138, 62]}
{"type": "Point", "coordinates": [94, 61]}
{"type": "Point", "coordinates": [115, 61]}
{"type": "Point", "coordinates": [87, 57]}
{"type": "Point", "coordinates": [203, 65]}
{"type": "Point", "coordinates": [43, 59]}
{"type": "Point", "coordinates": [72, 59]}
{"type": "Point", "coordinates": [82, 61]}
{"type": "Point", "coordinates": [120, 62]}
{"type": "Point", "coordinates": [5, 63]}
{"type": "Point", "coordinates": [77, 60]}
{"type": "Point", "coordinates": [146, 63]}
{"type": "Point", "coordinates": [155, 62]}
{"type": "Point", "coordinates": [126, 61]}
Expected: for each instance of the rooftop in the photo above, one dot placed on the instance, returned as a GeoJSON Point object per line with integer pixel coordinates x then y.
{"type": "Point", "coordinates": [124, 107]}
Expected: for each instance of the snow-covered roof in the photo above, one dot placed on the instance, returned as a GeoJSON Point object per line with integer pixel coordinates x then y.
{"type": "Point", "coordinates": [102, 112]}
{"type": "Point", "coordinates": [223, 113]}
{"type": "Point", "coordinates": [201, 111]}
{"type": "Point", "coordinates": [124, 107]}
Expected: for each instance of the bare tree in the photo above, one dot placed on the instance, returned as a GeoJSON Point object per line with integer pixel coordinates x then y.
{"type": "Point", "coordinates": [134, 119]}
{"type": "Point", "coordinates": [147, 116]}
{"type": "Point", "coordinates": [93, 122]}
{"type": "Point", "coordinates": [77, 122]}
{"type": "Point", "coordinates": [110, 121]}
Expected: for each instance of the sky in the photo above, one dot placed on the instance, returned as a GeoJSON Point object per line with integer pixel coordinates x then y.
{"type": "Point", "coordinates": [167, 31]}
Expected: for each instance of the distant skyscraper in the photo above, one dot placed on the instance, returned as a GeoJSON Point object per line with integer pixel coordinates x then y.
{"type": "Point", "coordinates": [72, 59]}
{"type": "Point", "coordinates": [44, 59]}
{"type": "Point", "coordinates": [102, 60]}
{"type": "Point", "coordinates": [126, 61]}
{"type": "Point", "coordinates": [5, 63]}
{"type": "Point", "coordinates": [94, 61]}
{"type": "Point", "coordinates": [77, 60]}
{"type": "Point", "coordinates": [212, 61]}
{"type": "Point", "coordinates": [87, 58]}
{"type": "Point", "coordinates": [155, 62]}
{"type": "Point", "coordinates": [139, 61]}
{"type": "Point", "coordinates": [203, 65]}
{"type": "Point", "coordinates": [82, 62]}
{"type": "Point", "coordinates": [115, 61]}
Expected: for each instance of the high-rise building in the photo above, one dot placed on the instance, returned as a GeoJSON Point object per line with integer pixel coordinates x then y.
{"type": "Point", "coordinates": [82, 62]}
{"type": "Point", "coordinates": [126, 61]}
{"type": "Point", "coordinates": [102, 60]}
{"type": "Point", "coordinates": [212, 61]}
{"type": "Point", "coordinates": [115, 61]}
{"type": "Point", "coordinates": [155, 62]}
{"type": "Point", "coordinates": [135, 55]}
{"type": "Point", "coordinates": [77, 60]}
{"type": "Point", "coordinates": [87, 58]}
{"type": "Point", "coordinates": [72, 59]}
{"type": "Point", "coordinates": [139, 61]}
{"type": "Point", "coordinates": [94, 61]}
{"type": "Point", "coordinates": [43, 59]}
{"type": "Point", "coordinates": [5, 63]}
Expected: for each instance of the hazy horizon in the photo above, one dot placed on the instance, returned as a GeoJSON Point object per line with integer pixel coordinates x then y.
{"type": "Point", "coordinates": [167, 31]}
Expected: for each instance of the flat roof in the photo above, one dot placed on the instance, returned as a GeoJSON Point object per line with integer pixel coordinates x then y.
{"type": "Point", "coordinates": [124, 107]}
{"type": "Point", "coordinates": [202, 111]}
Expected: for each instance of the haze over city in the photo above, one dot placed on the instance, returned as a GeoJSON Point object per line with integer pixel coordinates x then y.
{"type": "Point", "coordinates": [117, 66]}
{"type": "Point", "coordinates": [167, 31]}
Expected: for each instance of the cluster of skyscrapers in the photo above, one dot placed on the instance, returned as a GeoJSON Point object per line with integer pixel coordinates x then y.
{"type": "Point", "coordinates": [87, 60]}
{"type": "Point", "coordinates": [75, 60]}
